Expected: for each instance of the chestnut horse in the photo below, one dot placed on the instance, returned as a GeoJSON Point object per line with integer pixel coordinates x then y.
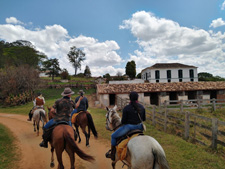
{"type": "Point", "coordinates": [51, 112]}
{"type": "Point", "coordinates": [63, 139]}
{"type": "Point", "coordinates": [84, 119]}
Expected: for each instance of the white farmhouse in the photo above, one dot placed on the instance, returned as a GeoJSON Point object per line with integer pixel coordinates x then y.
{"type": "Point", "coordinates": [170, 72]}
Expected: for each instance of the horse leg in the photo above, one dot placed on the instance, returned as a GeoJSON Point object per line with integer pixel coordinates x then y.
{"type": "Point", "coordinates": [59, 158]}
{"type": "Point", "coordinates": [78, 134]}
{"type": "Point", "coordinates": [37, 128]}
{"type": "Point", "coordinates": [86, 135]}
{"type": "Point", "coordinates": [52, 158]}
{"type": "Point", "coordinates": [34, 126]}
{"type": "Point", "coordinates": [72, 157]}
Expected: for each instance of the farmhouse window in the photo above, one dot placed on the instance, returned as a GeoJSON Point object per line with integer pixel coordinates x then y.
{"type": "Point", "coordinates": [157, 74]}
{"type": "Point", "coordinates": [191, 73]}
{"type": "Point", "coordinates": [180, 74]}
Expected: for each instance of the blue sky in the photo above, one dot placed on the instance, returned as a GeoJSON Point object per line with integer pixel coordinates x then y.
{"type": "Point", "coordinates": [111, 33]}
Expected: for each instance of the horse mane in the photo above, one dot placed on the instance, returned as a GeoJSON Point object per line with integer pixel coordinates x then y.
{"type": "Point", "coordinates": [116, 120]}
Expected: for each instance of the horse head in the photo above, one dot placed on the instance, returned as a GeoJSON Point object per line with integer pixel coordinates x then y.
{"type": "Point", "coordinates": [51, 112]}
{"type": "Point", "coordinates": [113, 119]}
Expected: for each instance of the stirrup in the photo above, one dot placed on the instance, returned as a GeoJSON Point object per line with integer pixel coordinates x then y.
{"type": "Point", "coordinates": [108, 154]}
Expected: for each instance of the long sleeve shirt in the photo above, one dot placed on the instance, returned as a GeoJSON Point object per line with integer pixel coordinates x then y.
{"type": "Point", "coordinates": [130, 115]}
{"type": "Point", "coordinates": [83, 104]}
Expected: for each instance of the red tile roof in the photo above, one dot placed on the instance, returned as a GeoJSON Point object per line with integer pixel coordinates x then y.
{"type": "Point", "coordinates": [159, 87]}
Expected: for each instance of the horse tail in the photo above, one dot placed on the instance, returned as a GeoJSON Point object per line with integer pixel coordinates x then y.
{"type": "Point", "coordinates": [42, 115]}
{"type": "Point", "coordinates": [73, 146]}
{"type": "Point", "coordinates": [160, 158]}
{"type": "Point", "coordinates": [91, 124]}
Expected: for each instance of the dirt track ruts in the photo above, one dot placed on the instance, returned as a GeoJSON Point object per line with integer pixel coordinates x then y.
{"type": "Point", "coordinates": [34, 157]}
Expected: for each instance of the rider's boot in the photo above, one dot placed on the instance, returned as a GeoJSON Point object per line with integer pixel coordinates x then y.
{"type": "Point", "coordinates": [111, 153]}
{"type": "Point", "coordinates": [30, 116]}
{"type": "Point", "coordinates": [44, 143]}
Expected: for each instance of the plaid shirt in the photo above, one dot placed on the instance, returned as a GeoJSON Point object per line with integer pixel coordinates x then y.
{"type": "Point", "coordinates": [64, 107]}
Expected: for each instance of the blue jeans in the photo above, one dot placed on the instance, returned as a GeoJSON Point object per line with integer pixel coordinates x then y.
{"type": "Point", "coordinates": [123, 130]}
{"type": "Point", "coordinates": [74, 111]}
{"type": "Point", "coordinates": [51, 123]}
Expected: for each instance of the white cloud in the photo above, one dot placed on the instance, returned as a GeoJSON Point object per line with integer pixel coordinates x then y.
{"type": "Point", "coordinates": [163, 41]}
{"type": "Point", "coordinates": [13, 20]}
{"type": "Point", "coordinates": [55, 42]}
{"type": "Point", "coordinates": [223, 6]}
{"type": "Point", "coordinates": [217, 23]}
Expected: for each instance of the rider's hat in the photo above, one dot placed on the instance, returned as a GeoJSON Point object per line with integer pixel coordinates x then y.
{"type": "Point", "coordinates": [67, 91]}
{"type": "Point", "coordinates": [81, 91]}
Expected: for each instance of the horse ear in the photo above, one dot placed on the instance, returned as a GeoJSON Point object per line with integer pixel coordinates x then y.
{"type": "Point", "coordinates": [115, 107]}
{"type": "Point", "coordinates": [107, 108]}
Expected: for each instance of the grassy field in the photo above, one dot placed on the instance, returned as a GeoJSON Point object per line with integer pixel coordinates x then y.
{"type": "Point", "coordinates": [180, 153]}
{"type": "Point", "coordinates": [8, 151]}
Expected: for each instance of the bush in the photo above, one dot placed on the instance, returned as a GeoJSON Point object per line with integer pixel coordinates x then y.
{"type": "Point", "coordinates": [65, 75]}
{"type": "Point", "coordinates": [18, 84]}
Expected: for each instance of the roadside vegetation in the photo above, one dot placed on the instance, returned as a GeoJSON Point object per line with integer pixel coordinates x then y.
{"type": "Point", "coordinates": [8, 151]}
{"type": "Point", "coordinates": [180, 153]}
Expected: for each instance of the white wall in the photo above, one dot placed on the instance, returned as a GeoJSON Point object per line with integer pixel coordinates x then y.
{"type": "Point", "coordinates": [174, 75]}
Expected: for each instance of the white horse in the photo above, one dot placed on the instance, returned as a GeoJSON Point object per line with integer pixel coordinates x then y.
{"type": "Point", "coordinates": [39, 115]}
{"type": "Point", "coordinates": [143, 152]}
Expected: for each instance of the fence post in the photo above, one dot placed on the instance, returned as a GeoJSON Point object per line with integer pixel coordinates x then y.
{"type": "Point", "coordinates": [199, 103]}
{"type": "Point", "coordinates": [187, 125]}
{"type": "Point", "coordinates": [181, 106]}
{"type": "Point", "coordinates": [214, 132]}
{"type": "Point", "coordinates": [214, 104]}
{"type": "Point", "coordinates": [153, 116]}
{"type": "Point", "coordinates": [165, 120]}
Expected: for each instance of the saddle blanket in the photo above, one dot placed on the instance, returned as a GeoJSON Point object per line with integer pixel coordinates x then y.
{"type": "Point", "coordinates": [121, 148]}
{"type": "Point", "coordinates": [73, 119]}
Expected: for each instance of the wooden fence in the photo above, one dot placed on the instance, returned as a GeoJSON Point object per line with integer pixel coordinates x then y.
{"type": "Point", "coordinates": [213, 104]}
{"type": "Point", "coordinates": [199, 129]}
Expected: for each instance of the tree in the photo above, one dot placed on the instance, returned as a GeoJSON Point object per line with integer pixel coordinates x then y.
{"type": "Point", "coordinates": [87, 71]}
{"type": "Point", "coordinates": [52, 67]}
{"type": "Point", "coordinates": [131, 69]}
{"type": "Point", "coordinates": [107, 76]}
{"type": "Point", "coordinates": [65, 74]}
{"type": "Point", "coordinates": [204, 76]}
{"type": "Point", "coordinates": [20, 53]}
{"type": "Point", "coordinates": [139, 75]}
{"type": "Point", "coordinates": [76, 56]}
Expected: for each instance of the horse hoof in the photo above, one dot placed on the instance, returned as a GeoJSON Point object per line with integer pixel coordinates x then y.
{"type": "Point", "coordinates": [88, 145]}
{"type": "Point", "coordinates": [52, 164]}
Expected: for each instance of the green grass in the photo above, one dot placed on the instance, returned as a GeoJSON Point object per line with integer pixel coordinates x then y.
{"type": "Point", "coordinates": [8, 151]}
{"type": "Point", "coordinates": [180, 153]}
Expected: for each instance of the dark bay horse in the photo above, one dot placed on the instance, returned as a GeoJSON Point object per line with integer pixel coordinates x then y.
{"type": "Point", "coordinates": [84, 119]}
{"type": "Point", "coordinates": [63, 139]}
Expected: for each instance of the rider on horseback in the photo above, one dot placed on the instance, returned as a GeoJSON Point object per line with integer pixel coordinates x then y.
{"type": "Point", "coordinates": [64, 107]}
{"type": "Point", "coordinates": [39, 102]}
{"type": "Point", "coordinates": [133, 115]}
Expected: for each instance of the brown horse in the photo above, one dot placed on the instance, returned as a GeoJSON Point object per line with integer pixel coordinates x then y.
{"type": "Point", "coordinates": [63, 139]}
{"type": "Point", "coordinates": [84, 119]}
{"type": "Point", "coordinates": [51, 112]}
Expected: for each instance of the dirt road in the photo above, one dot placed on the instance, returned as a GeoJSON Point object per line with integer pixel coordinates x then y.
{"type": "Point", "coordinates": [34, 157]}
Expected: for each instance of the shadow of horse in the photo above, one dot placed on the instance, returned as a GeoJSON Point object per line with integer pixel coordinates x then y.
{"type": "Point", "coordinates": [63, 139]}
{"type": "Point", "coordinates": [83, 120]}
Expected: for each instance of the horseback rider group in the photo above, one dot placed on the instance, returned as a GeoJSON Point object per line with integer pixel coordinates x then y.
{"type": "Point", "coordinates": [63, 107]}
{"type": "Point", "coordinates": [132, 117]}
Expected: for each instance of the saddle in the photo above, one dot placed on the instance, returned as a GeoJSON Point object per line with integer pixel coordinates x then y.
{"type": "Point", "coordinates": [128, 135]}
{"type": "Point", "coordinates": [122, 142]}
